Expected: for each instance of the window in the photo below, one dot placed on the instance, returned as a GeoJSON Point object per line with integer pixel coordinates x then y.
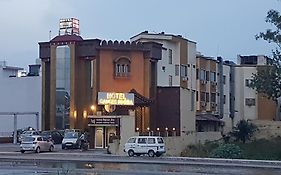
{"type": "Point", "coordinates": [248, 82]}
{"type": "Point", "coordinates": [197, 74]}
{"type": "Point", "coordinates": [150, 141]}
{"type": "Point", "coordinates": [213, 97]}
{"type": "Point", "coordinates": [192, 100]}
{"type": "Point", "coordinates": [132, 140]}
{"type": "Point", "coordinates": [170, 80]}
{"type": "Point", "coordinates": [142, 140]}
{"type": "Point", "coordinates": [39, 139]}
{"type": "Point", "coordinates": [197, 98]}
{"type": "Point", "coordinates": [63, 99]}
{"type": "Point", "coordinates": [122, 67]}
{"type": "Point", "coordinates": [183, 70]}
{"type": "Point", "coordinates": [213, 76]}
{"type": "Point", "coordinates": [207, 97]}
{"type": "Point", "coordinates": [224, 79]}
{"type": "Point", "coordinates": [160, 140]}
{"type": "Point", "coordinates": [250, 101]}
{"type": "Point", "coordinates": [170, 56]}
{"type": "Point", "coordinates": [202, 74]}
{"type": "Point", "coordinates": [44, 139]}
{"type": "Point", "coordinates": [224, 99]}
{"type": "Point", "coordinates": [202, 96]}
{"type": "Point", "coordinates": [207, 75]}
{"type": "Point", "coordinates": [176, 70]}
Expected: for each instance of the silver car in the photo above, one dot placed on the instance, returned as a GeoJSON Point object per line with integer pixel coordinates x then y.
{"type": "Point", "coordinates": [36, 143]}
{"type": "Point", "coordinates": [27, 133]}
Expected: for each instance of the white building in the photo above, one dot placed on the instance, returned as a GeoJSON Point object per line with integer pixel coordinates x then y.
{"type": "Point", "coordinates": [250, 105]}
{"type": "Point", "coordinates": [18, 94]}
{"type": "Point", "coordinates": [227, 99]}
{"type": "Point", "coordinates": [176, 69]}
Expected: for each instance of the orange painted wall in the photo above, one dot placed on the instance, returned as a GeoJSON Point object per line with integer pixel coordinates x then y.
{"type": "Point", "coordinates": [108, 82]}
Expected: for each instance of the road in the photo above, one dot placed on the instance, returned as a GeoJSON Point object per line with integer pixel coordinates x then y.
{"type": "Point", "coordinates": [93, 162]}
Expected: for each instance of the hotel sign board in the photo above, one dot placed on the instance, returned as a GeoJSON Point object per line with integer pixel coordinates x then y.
{"type": "Point", "coordinates": [114, 98]}
{"type": "Point", "coordinates": [69, 26]}
{"type": "Point", "coordinates": [103, 121]}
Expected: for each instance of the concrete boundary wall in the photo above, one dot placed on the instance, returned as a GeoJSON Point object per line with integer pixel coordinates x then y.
{"type": "Point", "coordinates": [174, 145]}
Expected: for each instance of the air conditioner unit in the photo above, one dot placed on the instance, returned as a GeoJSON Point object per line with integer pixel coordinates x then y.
{"type": "Point", "coordinates": [213, 105]}
{"type": "Point", "coordinates": [184, 78]}
{"type": "Point", "coordinates": [203, 104]}
{"type": "Point", "coordinates": [202, 82]}
{"type": "Point", "coordinates": [213, 83]}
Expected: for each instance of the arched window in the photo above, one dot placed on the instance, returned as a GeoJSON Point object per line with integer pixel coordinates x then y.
{"type": "Point", "coordinates": [122, 66]}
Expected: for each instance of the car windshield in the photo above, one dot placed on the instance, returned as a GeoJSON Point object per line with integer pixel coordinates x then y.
{"type": "Point", "coordinates": [27, 132]}
{"type": "Point", "coordinates": [45, 133]}
{"type": "Point", "coordinates": [28, 139]}
{"type": "Point", "coordinates": [71, 135]}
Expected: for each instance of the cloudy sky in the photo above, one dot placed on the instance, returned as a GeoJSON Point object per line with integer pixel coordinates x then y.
{"type": "Point", "coordinates": [220, 27]}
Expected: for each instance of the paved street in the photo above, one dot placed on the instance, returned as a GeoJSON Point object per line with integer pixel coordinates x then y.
{"type": "Point", "coordinates": [101, 163]}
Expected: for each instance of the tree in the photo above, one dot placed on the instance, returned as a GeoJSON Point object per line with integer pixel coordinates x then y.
{"type": "Point", "coordinates": [267, 80]}
{"type": "Point", "coordinates": [243, 130]}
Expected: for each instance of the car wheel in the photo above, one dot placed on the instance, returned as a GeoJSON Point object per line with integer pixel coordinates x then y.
{"type": "Point", "coordinates": [131, 153]}
{"type": "Point", "coordinates": [151, 153]}
{"type": "Point", "coordinates": [37, 150]}
{"type": "Point", "coordinates": [62, 147]}
{"type": "Point", "coordinates": [51, 149]}
{"type": "Point", "coordinates": [22, 151]}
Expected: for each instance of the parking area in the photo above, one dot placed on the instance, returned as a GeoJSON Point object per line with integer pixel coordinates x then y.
{"type": "Point", "coordinates": [10, 147]}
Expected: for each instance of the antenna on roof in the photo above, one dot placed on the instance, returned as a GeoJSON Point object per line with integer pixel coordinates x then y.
{"type": "Point", "coordinates": [50, 32]}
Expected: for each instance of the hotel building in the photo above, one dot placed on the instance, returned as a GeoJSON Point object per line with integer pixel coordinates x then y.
{"type": "Point", "coordinates": [91, 84]}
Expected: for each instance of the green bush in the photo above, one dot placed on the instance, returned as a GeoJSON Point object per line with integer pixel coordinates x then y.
{"type": "Point", "coordinates": [228, 151]}
{"type": "Point", "coordinates": [199, 150]}
{"type": "Point", "coordinates": [243, 130]}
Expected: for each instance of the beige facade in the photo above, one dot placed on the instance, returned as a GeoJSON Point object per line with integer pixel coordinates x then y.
{"type": "Point", "coordinates": [206, 92]}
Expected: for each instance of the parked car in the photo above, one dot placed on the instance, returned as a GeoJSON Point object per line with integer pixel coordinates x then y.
{"type": "Point", "coordinates": [71, 140]}
{"type": "Point", "coordinates": [28, 133]}
{"type": "Point", "coordinates": [54, 135]}
{"type": "Point", "coordinates": [21, 130]}
{"type": "Point", "coordinates": [150, 145]}
{"type": "Point", "coordinates": [36, 143]}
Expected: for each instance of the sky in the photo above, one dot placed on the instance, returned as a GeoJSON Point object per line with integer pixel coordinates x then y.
{"type": "Point", "coordinates": [219, 27]}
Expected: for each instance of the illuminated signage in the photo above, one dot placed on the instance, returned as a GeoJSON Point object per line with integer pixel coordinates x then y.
{"type": "Point", "coordinates": [113, 98]}
{"type": "Point", "coordinates": [69, 26]}
{"type": "Point", "coordinates": [103, 121]}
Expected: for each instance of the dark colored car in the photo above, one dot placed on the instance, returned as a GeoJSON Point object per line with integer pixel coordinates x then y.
{"type": "Point", "coordinates": [54, 135]}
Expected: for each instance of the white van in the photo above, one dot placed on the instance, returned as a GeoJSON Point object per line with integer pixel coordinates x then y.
{"type": "Point", "coordinates": [151, 145]}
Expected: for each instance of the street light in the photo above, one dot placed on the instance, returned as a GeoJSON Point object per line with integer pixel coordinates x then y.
{"type": "Point", "coordinates": [148, 129]}
{"type": "Point", "coordinates": [85, 114]}
{"type": "Point", "coordinates": [158, 129]}
{"type": "Point", "coordinates": [93, 108]}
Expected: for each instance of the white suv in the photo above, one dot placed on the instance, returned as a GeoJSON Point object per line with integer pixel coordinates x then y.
{"type": "Point", "coordinates": [151, 145]}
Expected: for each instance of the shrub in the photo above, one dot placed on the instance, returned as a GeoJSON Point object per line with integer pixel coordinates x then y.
{"type": "Point", "coordinates": [199, 150]}
{"type": "Point", "coordinates": [243, 130]}
{"type": "Point", "coordinates": [228, 151]}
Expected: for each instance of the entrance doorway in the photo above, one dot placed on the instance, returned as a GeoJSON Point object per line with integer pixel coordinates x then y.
{"type": "Point", "coordinates": [99, 137]}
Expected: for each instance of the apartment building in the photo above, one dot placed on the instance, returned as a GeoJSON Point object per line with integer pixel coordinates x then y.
{"type": "Point", "coordinates": [176, 81]}
{"type": "Point", "coordinates": [250, 105]}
